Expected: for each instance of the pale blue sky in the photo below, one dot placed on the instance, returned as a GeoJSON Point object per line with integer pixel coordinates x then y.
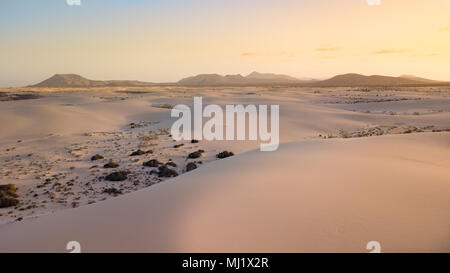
{"type": "Point", "coordinates": [165, 40]}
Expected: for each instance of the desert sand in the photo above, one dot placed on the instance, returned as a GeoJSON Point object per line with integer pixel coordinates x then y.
{"type": "Point", "coordinates": [354, 165]}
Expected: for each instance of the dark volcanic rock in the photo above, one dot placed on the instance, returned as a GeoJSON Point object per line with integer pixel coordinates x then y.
{"type": "Point", "coordinates": [224, 154]}
{"type": "Point", "coordinates": [10, 96]}
{"type": "Point", "coordinates": [178, 145]}
{"type": "Point", "coordinates": [135, 125]}
{"type": "Point", "coordinates": [8, 189]}
{"type": "Point", "coordinates": [196, 154]}
{"type": "Point", "coordinates": [8, 196]}
{"type": "Point", "coordinates": [112, 191]}
{"type": "Point", "coordinates": [166, 172]}
{"type": "Point", "coordinates": [6, 202]}
{"type": "Point", "coordinates": [111, 164]}
{"type": "Point", "coordinates": [170, 163]}
{"type": "Point", "coordinates": [152, 163]}
{"type": "Point", "coordinates": [194, 141]}
{"type": "Point", "coordinates": [140, 152]}
{"type": "Point", "coordinates": [117, 176]}
{"type": "Point", "coordinates": [191, 166]}
{"type": "Point", "coordinates": [97, 157]}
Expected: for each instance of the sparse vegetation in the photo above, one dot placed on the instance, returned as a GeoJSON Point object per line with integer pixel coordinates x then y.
{"type": "Point", "coordinates": [8, 196]}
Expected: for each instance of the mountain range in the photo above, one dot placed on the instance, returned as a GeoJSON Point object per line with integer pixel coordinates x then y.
{"type": "Point", "coordinates": [74, 80]}
{"type": "Point", "coordinates": [253, 79]}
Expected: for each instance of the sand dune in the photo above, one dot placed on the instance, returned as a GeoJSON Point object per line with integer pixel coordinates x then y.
{"type": "Point", "coordinates": [313, 196]}
{"type": "Point", "coordinates": [387, 182]}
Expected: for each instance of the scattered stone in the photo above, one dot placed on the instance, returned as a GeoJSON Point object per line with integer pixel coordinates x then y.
{"type": "Point", "coordinates": [117, 176]}
{"type": "Point", "coordinates": [96, 157]}
{"type": "Point", "coordinates": [134, 125]}
{"type": "Point", "coordinates": [140, 152]}
{"type": "Point", "coordinates": [194, 141]}
{"type": "Point", "coordinates": [178, 145]}
{"type": "Point", "coordinates": [113, 191]}
{"type": "Point", "coordinates": [171, 163]}
{"type": "Point", "coordinates": [152, 163]}
{"type": "Point", "coordinates": [111, 164]}
{"type": "Point", "coordinates": [191, 166]}
{"type": "Point", "coordinates": [196, 154]}
{"type": "Point", "coordinates": [164, 171]}
{"type": "Point", "coordinates": [224, 154]}
{"type": "Point", "coordinates": [52, 195]}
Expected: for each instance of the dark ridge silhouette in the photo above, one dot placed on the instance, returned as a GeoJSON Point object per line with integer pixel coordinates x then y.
{"type": "Point", "coordinates": [74, 80]}
{"type": "Point", "coordinates": [253, 79]}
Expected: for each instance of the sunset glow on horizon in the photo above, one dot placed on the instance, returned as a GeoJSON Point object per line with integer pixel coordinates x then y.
{"type": "Point", "coordinates": [164, 41]}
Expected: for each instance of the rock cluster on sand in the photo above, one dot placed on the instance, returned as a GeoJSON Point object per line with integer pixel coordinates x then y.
{"type": "Point", "coordinates": [117, 176]}
{"type": "Point", "coordinates": [164, 171]}
{"type": "Point", "coordinates": [191, 166]}
{"type": "Point", "coordinates": [8, 196]}
{"type": "Point", "coordinates": [140, 152]}
{"type": "Point", "coordinates": [196, 154]}
{"type": "Point", "coordinates": [113, 191]}
{"type": "Point", "coordinates": [135, 125]}
{"type": "Point", "coordinates": [171, 163]}
{"type": "Point", "coordinates": [111, 164]}
{"type": "Point", "coordinates": [224, 154]}
{"type": "Point", "coordinates": [91, 168]}
{"type": "Point", "coordinates": [96, 157]}
{"type": "Point", "coordinates": [152, 163]}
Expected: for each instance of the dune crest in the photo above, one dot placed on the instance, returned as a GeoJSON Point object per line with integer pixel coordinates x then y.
{"type": "Point", "coordinates": [365, 195]}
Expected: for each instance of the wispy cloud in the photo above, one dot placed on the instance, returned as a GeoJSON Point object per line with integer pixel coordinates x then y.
{"type": "Point", "coordinates": [269, 54]}
{"type": "Point", "coordinates": [391, 51]}
{"type": "Point", "coordinates": [445, 29]}
{"type": "Point", "coordinates": [249, 54]}
{"type": "Point", "coordinates": [328, 48]}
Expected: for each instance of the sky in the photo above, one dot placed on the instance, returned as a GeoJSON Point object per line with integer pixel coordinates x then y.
{"type": "Point", "coordinates": [166, 40]}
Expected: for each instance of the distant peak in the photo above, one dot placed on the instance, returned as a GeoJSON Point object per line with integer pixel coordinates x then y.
{"type": "Point", "coordinates": [408, 76]}
{"type": "Point", "coordinates": [254, 73]}
{"type": "Point", "coordinates": [75, 80]}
